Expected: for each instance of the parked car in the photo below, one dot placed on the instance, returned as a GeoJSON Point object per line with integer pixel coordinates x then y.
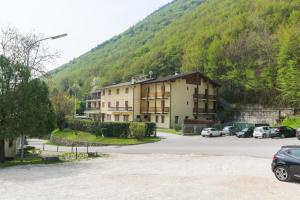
{"type": "Point", "coordinates": [229, 130]}
{"type": "Point", "coordinates": [283, 131]}
{"type": "Point", "coordinates": [262, 132]}
{"type": "Point", "coordinates": [286, 163]}
{"type": "Point", "coordinates": [246, 132]}
{"type": "Point", "coordinates": [210, 132]}
{"type": "Point", "coordinates": [298, 133]}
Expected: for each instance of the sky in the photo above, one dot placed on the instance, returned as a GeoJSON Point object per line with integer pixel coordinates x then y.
{"type": "Point", "coordinates": [87, 22]}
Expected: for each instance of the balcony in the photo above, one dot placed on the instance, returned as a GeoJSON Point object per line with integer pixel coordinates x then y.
{"type": "Point", "coordinates": [121, 109]}
{"type": "Point", "coordinates": [156, 110]}
{"type": "Point", "coordinates": [94, 108]}
{"type": "Point", "coordinates": [205, 97]}
{"type": "Point", "coordinates": [93, 98]}
{"type": "Point", "coordinates": [204, 111]}
{"type": "Point", "coordinates": [158, 95]}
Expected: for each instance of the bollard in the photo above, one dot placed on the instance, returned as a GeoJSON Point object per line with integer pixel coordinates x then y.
{"type": "Point", "coordinates": [87, 148]}
{"type": "Point", "coordinates": [72, 148]}
{"type": "Point", "coordinates": [43, 147]}
{"type": "Point", "coordinates": [57, 148]}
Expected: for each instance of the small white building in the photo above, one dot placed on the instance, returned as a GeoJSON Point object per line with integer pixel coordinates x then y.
{"type": "Point", "coordinates": [11, 147]}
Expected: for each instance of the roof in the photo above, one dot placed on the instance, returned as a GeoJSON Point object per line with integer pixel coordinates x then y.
{"type": "Point", "coordinates": [163, 79]}
{"type": "Point", "coordinates": [179, 76]}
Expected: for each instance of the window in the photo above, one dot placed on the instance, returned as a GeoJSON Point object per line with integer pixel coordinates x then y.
{"type": "Point", "coordinates": [176, 119]}
{"type": "Point", "coordinates": [108, 117]}
{"type": "Point", "coordinates": [10, 143]}
{"type": "Point", "coordinates": [125, 118]}
{"type": "Point", "coordinates": [187, 88]}
{"type": "Point", "coordinates": [187, 103]}
{"type": "Point", "coordinates": [109, 104]}
{"type": "Point", "coordinates": [127, 90]}
{"type": "Point", "coordinates": [103, 104]}
{"type": "Point", "coordinates": [162, 119]}
{"type": "Point", "coordinates": [156, 118]}
{"type": "Point", "coordinates": [103, 93]}
{"type": "Point", "coordinates": [118, 91]}
{"type": "Point", "coordinates": [186, 117]}
{"type": "Point", "coordinates": [117, 118]}
{"type": "Point", "coordinates": [163, 88]}
{"type": "Point", "coordinates": [294, 152]}
{"type": "Point", "coordinates": [109, 92]}
{"type": "Point", "coordinates": [126, 105]}
{"type": "Point", "coordinates": [117, 104]}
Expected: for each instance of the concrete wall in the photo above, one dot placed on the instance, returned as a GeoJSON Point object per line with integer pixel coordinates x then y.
{"type": "Point", "coordinates": [258, 114]}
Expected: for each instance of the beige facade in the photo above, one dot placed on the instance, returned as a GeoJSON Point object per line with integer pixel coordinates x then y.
{"type": "Point", "coordinates": [166, 101]}
{"type": "Point", "coordinates": [11, 146]}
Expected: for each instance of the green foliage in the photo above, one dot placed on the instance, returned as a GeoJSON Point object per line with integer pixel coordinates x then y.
{"type": "Point", "coordinates": [251, 47]}
{"type": "Point", "coordinates": [85, 137]}
{"type": "Point", "coordinates": [137, 130]}
{"type": "Point", "coordinates": [107, 129]}
{"type": "Point", "coordinates": [293, 122]}
{"type": "Point", "coordinates": [63, 106]}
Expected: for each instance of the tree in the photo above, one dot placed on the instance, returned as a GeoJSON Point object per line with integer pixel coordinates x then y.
{"type": "Point", "coordinates": [63, 106]}
{"type": "Point", "coordinates": [12, 75]}
{"type": "Point", "coordinates": [25, 50]}
{"type": "Point", "coordinates": [33, 114]}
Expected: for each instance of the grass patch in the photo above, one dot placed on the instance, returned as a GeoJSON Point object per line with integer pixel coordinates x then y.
{"type": "Point", "coordinates": [167, 130]}
{"type": "Point", "coordinates": [29, 159]}
{"type": "Point", "coordinates": [35, 159]}
{"type": "Point", "coordinates": [293, 122]}
{"type": "Point", "coordinates": [90, 138]}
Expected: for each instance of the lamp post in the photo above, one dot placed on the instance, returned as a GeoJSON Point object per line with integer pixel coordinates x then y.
{"type": "Point", "coordinates": [38, 41]}
{"type": "Point", "coordinates": [29, 48]}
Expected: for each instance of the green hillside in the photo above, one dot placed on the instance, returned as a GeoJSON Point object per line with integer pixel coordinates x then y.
{"type": "Point", "coordinates": [251, 47]}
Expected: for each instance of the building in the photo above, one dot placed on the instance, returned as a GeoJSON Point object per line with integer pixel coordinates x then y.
{"type": "Point", "coordinates": [93, 104]}
{"type": "Point", "coordinates": [166, 101]}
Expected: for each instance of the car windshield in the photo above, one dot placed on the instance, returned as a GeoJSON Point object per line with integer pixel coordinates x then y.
{"type": "Point", "coordinates": [245, 129]}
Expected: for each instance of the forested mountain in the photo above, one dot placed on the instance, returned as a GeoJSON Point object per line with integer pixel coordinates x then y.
{"type": "Point", "coordinates": [251, 47]}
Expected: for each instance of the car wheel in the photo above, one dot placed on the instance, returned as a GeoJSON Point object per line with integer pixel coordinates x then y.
{"type": "Point", "coordinates": [210, 135]}
{"type": "Point", "coordinates": [282, 173]}
{"type": "Point", "coordinates": [264, 136]}
{"type": "Point", "coordinates": [282, 136]}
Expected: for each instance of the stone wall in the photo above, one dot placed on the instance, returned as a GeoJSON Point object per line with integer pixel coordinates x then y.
{"type": "Point", "coordinates": [258, 114]}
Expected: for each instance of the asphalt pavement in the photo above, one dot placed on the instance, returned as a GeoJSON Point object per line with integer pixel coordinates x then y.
{"type": "Point", "coordinates": [194, 145]}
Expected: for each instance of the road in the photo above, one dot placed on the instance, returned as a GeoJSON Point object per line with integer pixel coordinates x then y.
{"type": "Point", "coordinates": [197, 145]}
{"type": "Point", "coordinates": [176, 168]}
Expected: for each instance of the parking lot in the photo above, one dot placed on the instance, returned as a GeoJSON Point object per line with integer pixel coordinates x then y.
{"type": "Point", "coordinates": [148, 176]}
{"type": "Point", "coordinates": [197, 145]}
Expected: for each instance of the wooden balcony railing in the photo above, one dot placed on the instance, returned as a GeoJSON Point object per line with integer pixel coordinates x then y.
{"type": "Point", "coordinates": [157, 95]}
{"type": "Point", "coordinates": [120, 109]}
{"type": "Point", "coordinates": [205, 97]}
{"type": "Point", "coordinates": [93, 97]}
{"type": "Point", "coordinates": [156, 110]}
{"type": "Point", "coordinates": [94, 108]}
{"type": "Point", "coordinates": [203, 110]}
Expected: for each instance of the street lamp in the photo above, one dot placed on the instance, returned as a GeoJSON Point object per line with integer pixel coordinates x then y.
{"type": "Point", "coordinates": [48, 38]}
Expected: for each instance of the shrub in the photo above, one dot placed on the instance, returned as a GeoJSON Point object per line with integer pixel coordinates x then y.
{"type": "Point", "coordinates": [177, 128]}
{"type": "Point", "coordinates": [108, 129]}
{"type": "Point", "coordinates": [138, 130]}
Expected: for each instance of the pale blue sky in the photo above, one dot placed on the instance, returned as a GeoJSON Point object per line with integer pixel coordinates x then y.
{"type": "Point", "coordinates": [88, 22]}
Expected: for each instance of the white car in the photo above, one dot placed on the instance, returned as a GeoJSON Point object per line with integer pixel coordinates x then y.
{"type": "Point", "coordinates": [262, 132]}
{"type": "Point", "coordinates": [211, 132]}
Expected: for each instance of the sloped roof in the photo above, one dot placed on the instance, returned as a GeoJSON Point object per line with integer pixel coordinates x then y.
{"type": "Point", "coordinates": [178, 76]}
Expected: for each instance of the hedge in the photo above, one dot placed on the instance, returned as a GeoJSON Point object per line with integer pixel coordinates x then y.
{"type": "Point", "coordinates": [108, 129]}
